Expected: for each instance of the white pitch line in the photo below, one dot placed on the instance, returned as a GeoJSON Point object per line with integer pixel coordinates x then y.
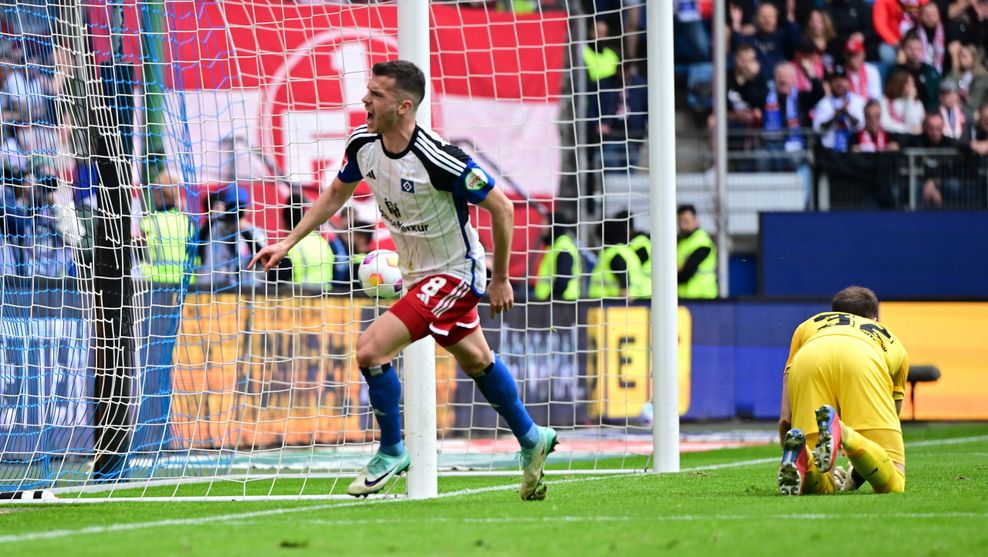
{"type": "Point", "coordinates": [54, 534]}
{"type": "Point", "coordinates": [592, 519]}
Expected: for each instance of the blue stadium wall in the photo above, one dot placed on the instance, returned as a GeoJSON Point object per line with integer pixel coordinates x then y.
{"type": "Point", "coordinates": [926, 255]}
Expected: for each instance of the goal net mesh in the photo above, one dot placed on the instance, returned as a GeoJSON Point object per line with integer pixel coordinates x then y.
{"type": "Point", "coordinates": [151, 147]}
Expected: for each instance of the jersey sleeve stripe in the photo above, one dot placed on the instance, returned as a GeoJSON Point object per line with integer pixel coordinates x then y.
{"type": "Point", "coordinates": [444, 155]}
{"type": "Point", "coordinates": [444, 163]}
{"type": "Point", "coordinates": [440, 154]}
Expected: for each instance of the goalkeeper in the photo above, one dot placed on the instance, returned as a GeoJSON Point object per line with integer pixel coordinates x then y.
{"type": "Point", "coordinates": [843, 359]}
{"type": "Point", "coordinates": [422, 185]}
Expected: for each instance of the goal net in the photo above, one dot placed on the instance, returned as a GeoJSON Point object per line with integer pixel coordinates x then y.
{"type": "Point", "coordinates": [151, 147]}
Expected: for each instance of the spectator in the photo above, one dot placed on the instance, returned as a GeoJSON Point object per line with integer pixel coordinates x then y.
{"type": "Point", "coordinates": [14, 223]}
{"type": "Point", "coordinates": [166, 234]}
{"type": "Point", "coordinates": [893, 19]}
{"type": "Point", "coordinates": [311, 259]}
{"type": "Point", "coordinates": [746, 92]}
{"type": "Point", "coordinates": [696, 257]}
{"type": "Point", "coordinates": [47, 252]}
{"type": "Point", "coordinates": [229, 240]}
{"type": "Point", "coordinates": [931, 32]}
{"type": "Point", "coordinates": [864, 79]}
{"type": "Point", "coordinates": [601, 59]}
{"type": "Point", "coordinates": [773, 42]}
{"type": "Point", "coordinates": [787, 108]}
{"type": "Point", "coordinates": [811, 66]}
{"type": "Point", "coordinates": [954, 116]}
{"type": "Point", "coordinates": [872, 138]}
{"type": "Point", "coordinates": [839, 114]}
{"type": "Point", "coordinates": [560, 271]}
{"type": "Point", "coordinates": [966, 22]}
{"type": "Point", "coordinates": [977, 152]}
{"type": "Point", "coordinates": [853, 17]}
{"type": "Point", "coordinates": [692, 42]}
{"type": "Point", "coordinates": [620, 117]}
{"type": "Point", "coordinates": [902, 112]}
{"type": "Point", "coordinates": [979, 133]}
{"type": "Point", "coordinates": [741, 16]}
{"type": "Point", "coordinates": [971, 76]}
{"type": "Point", "coordinates": [926, 77]}
{"type": "Point", "coordinates": [359, 240]}
{"type": "Point", "coordinates": [618, 272]}
{"type": "Point", "coordinates": [941, 182]}
{"type": "Point", "coordinates": [819, 31]}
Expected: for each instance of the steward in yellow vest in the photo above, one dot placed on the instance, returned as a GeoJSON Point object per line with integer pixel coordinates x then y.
{"type": "Point", "coordinates": [601, 60]}
{"type": "Point", "coordinates": [167, 233]}
{"type": "Point", "coordinates": [696, 257]}
{"type": "Point", "coordinates": [311, 258]}
{"type": "Point", "coordinates": [561, 269]}
{"type": "Point", "coordinates": [618, 272]}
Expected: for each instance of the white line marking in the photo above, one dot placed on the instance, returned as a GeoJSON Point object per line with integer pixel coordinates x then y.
{"type": "Point", "coordinates": [637, 518]}
{"type": "Point", "coordinates": [53, 534]}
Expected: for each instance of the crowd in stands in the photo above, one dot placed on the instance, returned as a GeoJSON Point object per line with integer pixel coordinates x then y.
{"type": "Point", "coordinates": [847, 76]}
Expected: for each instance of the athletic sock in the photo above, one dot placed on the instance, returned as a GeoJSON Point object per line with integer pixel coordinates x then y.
{"type": "Point", "coordinates": [385, 396]}
{"type": "Point", "coordinates": [498, 387]}
{"type": "Point", "coordinates": [816, 482]}
{"type": "Point", "coordinates": [872, 462]}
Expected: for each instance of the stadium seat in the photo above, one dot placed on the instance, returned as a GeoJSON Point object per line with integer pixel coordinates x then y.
{"type": "Point", "coordinates": [920, 374]}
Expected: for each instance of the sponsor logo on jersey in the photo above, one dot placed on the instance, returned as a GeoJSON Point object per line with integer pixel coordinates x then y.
{"type": "Point", "coordinates": [371, 175]}
{"type": "Point", "coordinates": [392, 208]}
{"type": "Point", "coordinates": [476, 180]}
{"type": "Point", "coordinates": [407, 185]}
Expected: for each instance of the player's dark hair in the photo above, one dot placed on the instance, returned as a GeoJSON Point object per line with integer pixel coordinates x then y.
{"type": "Point", "coordinates": [857, 300]}
{"type": "Point", "coordinates": [409, 79]}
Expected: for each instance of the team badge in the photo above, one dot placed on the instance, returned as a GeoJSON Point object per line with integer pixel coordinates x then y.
{"type": "Point", "coordinates": [407, 186]}
{"type": "Point", "coordinates": [476, 180]}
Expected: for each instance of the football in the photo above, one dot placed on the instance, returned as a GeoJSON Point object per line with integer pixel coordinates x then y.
{"type": "Point", "coordinates": [380, 275]}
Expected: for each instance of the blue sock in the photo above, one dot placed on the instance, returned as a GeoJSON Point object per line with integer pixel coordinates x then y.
{"type": "Point", "coordinates": [385, 396]}
{"type": "Point", "coordinates": [498, 387]}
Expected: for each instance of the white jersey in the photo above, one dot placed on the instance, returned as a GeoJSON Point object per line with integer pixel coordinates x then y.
{"type": "Point", "coordinates": [422, 194]}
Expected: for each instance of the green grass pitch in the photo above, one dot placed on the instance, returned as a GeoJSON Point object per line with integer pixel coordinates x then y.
{"type": "Point", "coordinates": [723, 503]}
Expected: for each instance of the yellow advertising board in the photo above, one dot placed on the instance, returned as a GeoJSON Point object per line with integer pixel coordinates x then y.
{"type": "Point", "coordinates": [620, 361]}
{"type": "Point", "coordinates": [954, 337]}
{"type": "Point", "coordinates": [272, 371]}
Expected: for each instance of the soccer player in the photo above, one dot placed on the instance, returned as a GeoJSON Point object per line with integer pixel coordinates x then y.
{"type": "Point", "coordinates": [422, 185]}
{"type": "Point", "coordinates": [843, 359]}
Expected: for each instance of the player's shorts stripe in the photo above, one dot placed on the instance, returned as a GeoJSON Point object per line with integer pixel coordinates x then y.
{"type": "Point", "coordinates": [440, 158]}
{"type": "Point", "coordinates": [451, 299]}
{"type": "Point", "coordinates": [441, 163]}
{"type": "Point", "coordinates": [438, 331]}
{"type": "Point", "coordinates": [470, 325]}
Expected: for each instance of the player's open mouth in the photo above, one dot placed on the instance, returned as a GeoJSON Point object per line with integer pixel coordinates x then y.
{"type": "Point", "coordinates": [370, 117]}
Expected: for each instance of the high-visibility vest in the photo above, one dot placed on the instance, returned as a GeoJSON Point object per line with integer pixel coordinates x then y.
{"type": "Point", "coordinates": [703, 284]}
{"type": "Point", "coordinates": [547, 270]}
{"type": "Point", "coordinates": [605, 284]}
{"type": "Point", "coordinates": [638, 243]}
{"type": "Point", "coordinates": [601, 65]}
{"type": "Point", "coordinates": [312, 260]}
{"type": "Point", "coordinates": [643, 242]}
{"type": "Point", "coordinates": [167, 234]}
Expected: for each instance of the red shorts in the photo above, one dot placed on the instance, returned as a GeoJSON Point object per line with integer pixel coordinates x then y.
{"type": "Point", "coordinates": [440, 305]}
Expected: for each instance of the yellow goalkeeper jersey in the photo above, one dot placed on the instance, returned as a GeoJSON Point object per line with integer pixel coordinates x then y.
{"type": "Point", "coordinates": [865, 345]}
